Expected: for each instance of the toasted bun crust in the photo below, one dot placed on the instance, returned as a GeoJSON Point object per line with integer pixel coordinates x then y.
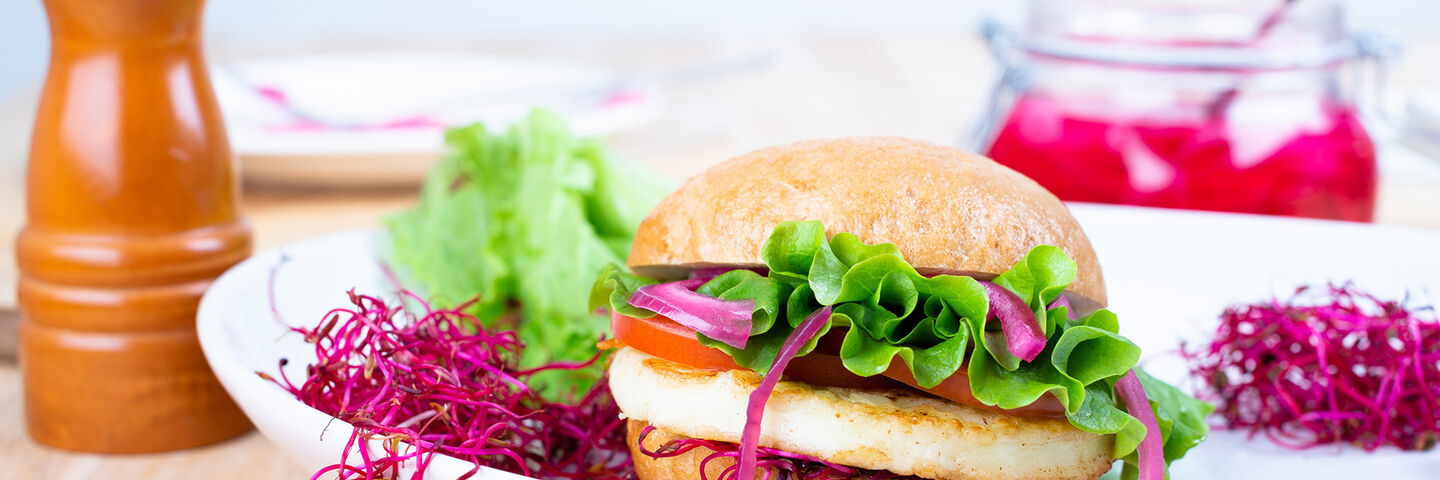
{"type": "Point", "coordinates": [685, 466]}
{"type": "Point", "coordinates": [901, 430]}
{"type": "Point", "coordinates": [947, 210]}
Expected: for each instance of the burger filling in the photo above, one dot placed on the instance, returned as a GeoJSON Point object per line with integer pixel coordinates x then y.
{"type": "Point", "coordinates": [894, 430]}
{"type": "Point", "coordinates": [841, 312]}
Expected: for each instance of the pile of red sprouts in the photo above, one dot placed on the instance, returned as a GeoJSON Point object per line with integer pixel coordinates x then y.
{"type": "Point", "coordinates": [434, 383]}
{"type": "Point", "coordinates": [1330, 365]}
{"type": "Point", "coordinates": [419, 385]}
{"type": "Point", "coordinates": [774, 463]}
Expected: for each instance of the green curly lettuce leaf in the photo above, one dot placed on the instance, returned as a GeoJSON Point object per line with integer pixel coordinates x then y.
{"type": "Point", "coordinates": [1039, 278]}
{"type": "Point", "coordinates": [938, 325]}
{"type": "Point", "coordinates": [520, 219]}
{"type": "Point", "coordinates": [767, 293]}
{"type": "Point", "coordinates": [614, 288]}
{"type": "Point", "coordinates": [771, 295]}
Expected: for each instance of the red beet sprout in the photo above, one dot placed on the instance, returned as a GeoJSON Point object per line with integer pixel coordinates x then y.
{"type": "Point", "coordinates": [1330, 366]}
{"type": "Point", "coordinates": [439, 384]}
{"type": "Point", "coordinates": [775, 463]}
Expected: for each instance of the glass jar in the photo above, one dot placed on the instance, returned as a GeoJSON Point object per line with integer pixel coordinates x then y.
{"type": "Point", "coordinates": [1238, 106]}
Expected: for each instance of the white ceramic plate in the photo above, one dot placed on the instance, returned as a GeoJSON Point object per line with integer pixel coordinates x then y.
{"type": "Point", "coordinates": [378, 118]}
{"type": "Point", "coordinates": [1169, 273]}
{"type": "Point", "coordinates": [241, 336]}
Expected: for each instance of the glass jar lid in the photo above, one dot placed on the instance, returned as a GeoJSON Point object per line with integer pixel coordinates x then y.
{"type": "Point", "coordinates": [1199, 34]}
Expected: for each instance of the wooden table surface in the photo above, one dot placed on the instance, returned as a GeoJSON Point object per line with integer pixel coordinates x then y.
{"type": "Point", "coordinates": [916, 86]}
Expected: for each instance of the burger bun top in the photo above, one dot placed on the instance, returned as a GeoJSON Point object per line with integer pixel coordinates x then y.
{"type": "Point", "coordinates": [948, 211]}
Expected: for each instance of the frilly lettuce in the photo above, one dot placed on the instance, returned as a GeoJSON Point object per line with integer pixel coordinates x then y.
{"type": "Point", "coordinates": [520, 218]}
{"type": "Point", "coordinates": [935, 324]}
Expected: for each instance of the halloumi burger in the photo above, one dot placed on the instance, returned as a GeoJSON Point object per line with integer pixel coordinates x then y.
{"type": "Point", "coordinates": [874, 308]}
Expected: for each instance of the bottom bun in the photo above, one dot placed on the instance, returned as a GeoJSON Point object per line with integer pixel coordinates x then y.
{"type": "Point", "coordinates": [685, 466]}
{"type": "Point", "coordinates": [902, 431]}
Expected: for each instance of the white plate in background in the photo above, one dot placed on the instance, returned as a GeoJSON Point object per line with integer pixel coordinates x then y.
{"type": "Point", "coordinates": [1170, 273]}
{"type": "Point", "coordinates": [378, 118]}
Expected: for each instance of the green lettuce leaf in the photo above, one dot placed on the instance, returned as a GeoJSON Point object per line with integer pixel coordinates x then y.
{"type": "Point", "coordinates": [614, 288]}
{"type": "Point", "coordinates": [790, 250]}
{"type": "Point", "coordinates": [768, 294]}
{"type": "Point", "coordinates": [938, 325]}
{"type": "Point", "coordinates": [1039, 278]}
{"type": "Point", "coordinates": [521, 219]}
{"type": "Point", "coordinates": [1099, 414]}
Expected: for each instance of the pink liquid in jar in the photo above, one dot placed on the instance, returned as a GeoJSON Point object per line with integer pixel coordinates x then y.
{"type": "Point", "coordinates": [1306, 159]}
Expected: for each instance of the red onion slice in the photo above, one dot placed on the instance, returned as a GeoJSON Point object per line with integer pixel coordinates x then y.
{"type": "Point", "coordinates": [1063, 301]}
{"type": "Point", "coordinates": [1023, 337]}
{"type": "Point", "coordinates": [725, 320]}
{"type": "Point", "coordinates": [755, 409]}
{"type": "Point", "coordinates": [1151, 450]}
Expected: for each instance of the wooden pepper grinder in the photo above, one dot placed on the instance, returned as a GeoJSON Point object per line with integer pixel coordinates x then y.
{"type": "Point", "coordinates": [131, 214]}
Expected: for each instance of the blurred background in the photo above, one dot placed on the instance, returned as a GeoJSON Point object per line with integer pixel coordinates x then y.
{"type": "Point", "coordinates": [909, 56]}
{"type": "Point", "coordinates": [674, 86]}
{"type": "Point", "coordinates": [336, 108]}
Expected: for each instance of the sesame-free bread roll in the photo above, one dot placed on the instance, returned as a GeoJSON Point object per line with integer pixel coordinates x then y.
{"type": "Point", "coordinates": [948, 211]}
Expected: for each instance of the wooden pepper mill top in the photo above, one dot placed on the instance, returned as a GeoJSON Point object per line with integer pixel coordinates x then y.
{"type": "Point", "coordinates": [131, 214]}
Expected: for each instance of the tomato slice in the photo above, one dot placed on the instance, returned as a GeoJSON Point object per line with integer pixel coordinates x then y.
{"type": "Point", "coordinates": [828, 370]}
{"type": "Point", "coordinates": [662, 337]}
{"type": "Point", "coordinates": [956, 388]}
